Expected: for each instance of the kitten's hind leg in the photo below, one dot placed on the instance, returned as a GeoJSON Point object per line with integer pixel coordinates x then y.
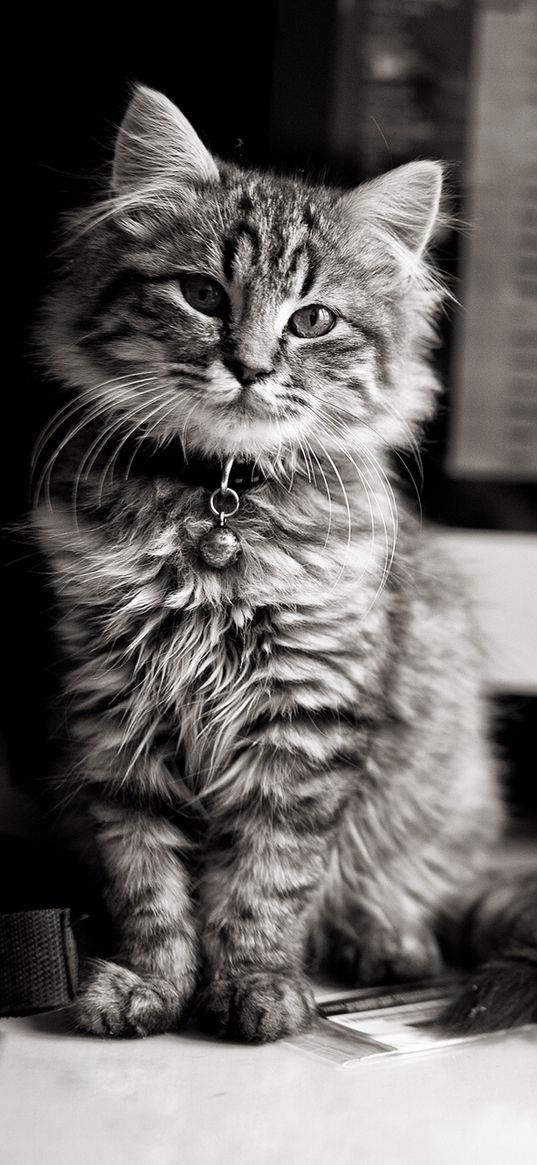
{"type": "Point", "coordinates": [382, 952]}
{"type": "Point", "coordinates": [146, 892]}
{"type": "Point", "coordinates": [377, 918]}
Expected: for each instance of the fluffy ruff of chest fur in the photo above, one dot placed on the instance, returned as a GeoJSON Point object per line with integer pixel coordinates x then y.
{"type": "Point", "coordinates": [194, 659]}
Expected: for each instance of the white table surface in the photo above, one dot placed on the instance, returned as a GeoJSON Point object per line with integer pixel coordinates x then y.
{"type": "Point", "coordinates": [67, 1099]}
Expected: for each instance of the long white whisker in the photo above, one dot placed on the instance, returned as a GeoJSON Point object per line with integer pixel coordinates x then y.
{"type": "Point", "coordinates": [109, 467]}
{"type": "Point", "coordinates": [307, 462]}
{"type": "Point", "coordinates": [327, 491]}
{"type": "Point", "coordinates": [144, 436]}
{"type": "Point", "coordinates": [92, 453]}
{"type": "Point", "coordinates": [84, 395]}
{"type": "Point", "coordinates": [333, 436]}
{"type": "Point", "coordinates": [346, 503]}
{"type": "Point", "coordinates": [185, 425]}
{"type": "Point", "coordinates": [99, 408]}
{"type": "Point", "coordinates": [389, 550]}
{"type": "Point", "coordinates": [392, 506]}
{"type": "Point", "coordinates": [99, 444]}
{"type": "Point", "coordinates": [388, 490]}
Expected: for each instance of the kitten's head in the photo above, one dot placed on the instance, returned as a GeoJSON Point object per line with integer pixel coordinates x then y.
{"type": "Point", "coordinates": [248, 314]}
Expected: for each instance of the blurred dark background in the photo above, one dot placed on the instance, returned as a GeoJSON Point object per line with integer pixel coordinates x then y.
{"type": "Point", "coordinates": [339, 90]}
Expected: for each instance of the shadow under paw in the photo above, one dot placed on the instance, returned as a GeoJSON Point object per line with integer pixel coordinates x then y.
{"type": "Point", "coordinates": [118, 1002]}
{"type": "Point", "coordinates": [257, 1007]}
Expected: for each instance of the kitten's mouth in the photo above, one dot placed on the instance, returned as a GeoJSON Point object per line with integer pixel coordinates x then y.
{"type": "Point", "coordinates": [231, 398]}
{"type": "Point", "coordinates": [247, 402]}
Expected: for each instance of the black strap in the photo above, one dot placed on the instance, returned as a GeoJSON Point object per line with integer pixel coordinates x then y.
{"type": "Point", "coordinates": [38, 951]}
{"type": "Point", "coordinates": [170, 461]}
{"type": "Point", "coordinates": [144, 459]}
{"type": "Point", "coordinates": [38, 961]}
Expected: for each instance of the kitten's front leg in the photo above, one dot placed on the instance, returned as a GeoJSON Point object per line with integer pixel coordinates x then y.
{"type": "Point", "coordinates": [262, 878]}
{"type": "Point", "coordinates": [147, 894]}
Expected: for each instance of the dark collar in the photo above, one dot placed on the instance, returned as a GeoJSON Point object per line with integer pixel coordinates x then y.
{"type": "Point", "coordinates": [171, 462]}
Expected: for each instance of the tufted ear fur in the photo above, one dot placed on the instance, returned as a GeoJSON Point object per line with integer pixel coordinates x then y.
{"type": "Point", "coordinates": [156, 143]}
{"type": "Point", "coordinates": [403, 204]}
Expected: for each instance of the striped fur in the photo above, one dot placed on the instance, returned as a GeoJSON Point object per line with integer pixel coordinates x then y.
{"type": "Point", "coordinates": [284, 760]}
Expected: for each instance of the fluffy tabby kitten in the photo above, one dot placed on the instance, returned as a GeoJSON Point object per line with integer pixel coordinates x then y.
{"type": "Point", "coordinates": [272, 750]}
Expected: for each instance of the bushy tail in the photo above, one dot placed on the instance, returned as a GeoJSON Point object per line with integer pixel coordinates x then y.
{"type": "Point", "coordinates": [500, 935]}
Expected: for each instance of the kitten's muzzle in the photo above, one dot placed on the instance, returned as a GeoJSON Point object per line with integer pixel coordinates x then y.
{"type": "Point", "coordinates": [246, 374]}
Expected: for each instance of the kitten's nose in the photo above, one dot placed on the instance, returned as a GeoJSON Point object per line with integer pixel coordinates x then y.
{"type": "Point", "coordinates": [246, 374]}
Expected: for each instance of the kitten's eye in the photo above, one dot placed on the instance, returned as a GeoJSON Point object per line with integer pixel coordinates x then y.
{"type": "Point", "coordinates": [204, 294]}
{"type": "Point", "coordinates": [313, 320]}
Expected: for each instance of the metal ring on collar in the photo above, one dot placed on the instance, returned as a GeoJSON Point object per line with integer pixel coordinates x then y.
{"type": "Point", "coordinates": [223, 493]}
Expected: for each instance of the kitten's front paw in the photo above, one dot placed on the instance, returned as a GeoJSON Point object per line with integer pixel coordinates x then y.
{"type": "Point", "coordinates": [258, 1006]}
{"type": "Point", "coordinates": [116, 1001]}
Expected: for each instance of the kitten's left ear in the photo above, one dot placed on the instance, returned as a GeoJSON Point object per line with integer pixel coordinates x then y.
{"type": "Point", "coordinates": [156, 142]}
{"type": "Point", "coordinates": [404, 203]}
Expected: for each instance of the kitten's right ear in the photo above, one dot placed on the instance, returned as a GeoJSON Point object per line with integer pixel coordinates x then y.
{"type": "Point", "coordinates": [403, 205]}
{"type": "Point", "coordinates": [156, 142]}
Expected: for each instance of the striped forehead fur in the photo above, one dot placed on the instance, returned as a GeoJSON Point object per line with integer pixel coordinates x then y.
{"type": "Point", "coordinates": [152, 203]}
